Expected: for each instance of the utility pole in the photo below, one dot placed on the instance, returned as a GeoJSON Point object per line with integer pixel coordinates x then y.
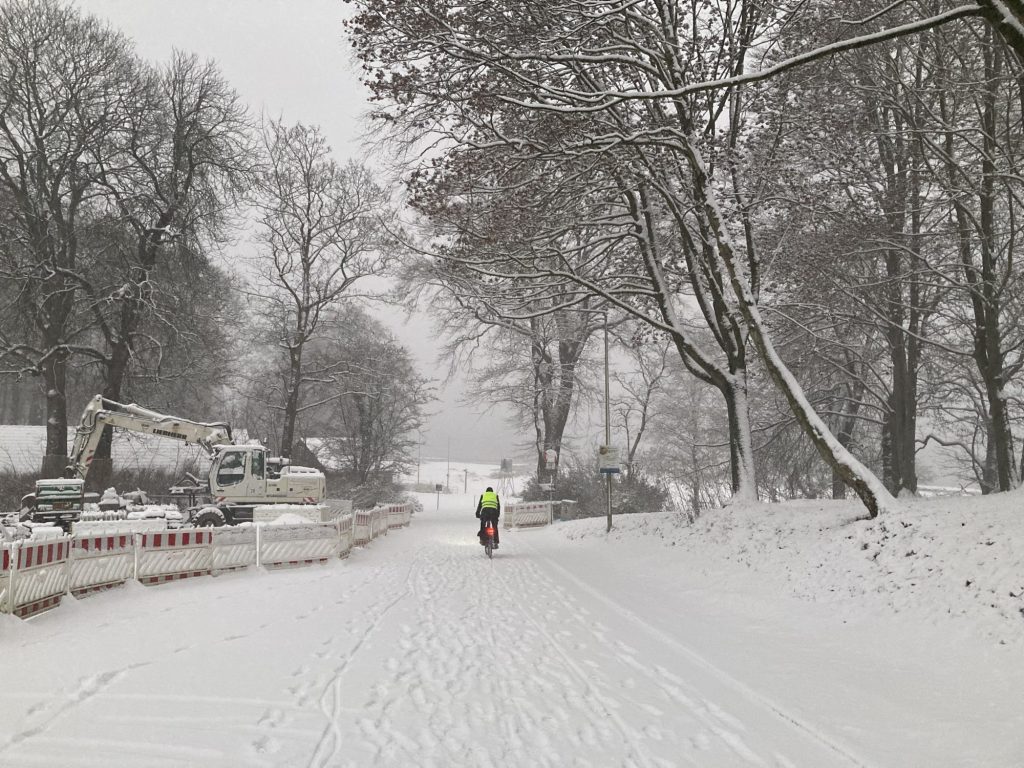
{"type": "Point", "coordinates": [465, 482]}
{"type": "Point", "coordinates": [607, 421]}
{"type": "Point", "coordinates": [448, 471]}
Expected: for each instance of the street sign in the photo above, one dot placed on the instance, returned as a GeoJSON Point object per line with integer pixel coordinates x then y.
{"type": "Point", "coordinates": [608, 460]}
{"type": "Point", "coordinates": [439, 487]}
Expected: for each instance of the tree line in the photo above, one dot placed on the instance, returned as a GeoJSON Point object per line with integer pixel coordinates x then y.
{"type": "Point", "coordinates": [812, 207]}
{"type": "Point", "coordinates": [160, 243]}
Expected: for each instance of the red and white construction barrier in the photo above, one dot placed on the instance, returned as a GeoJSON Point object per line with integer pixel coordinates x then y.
{"type": "Point", "coordinates": [379, 524]}
{"type": "Point", "coordinates": [282, 546]}
{"type": "Point", "coordinates": [362, 527]}
{"type": "Point", "coordinates": [346, 528]}
{"type": "Point", "coordinates": [100, 562]}
{"type": "Point", "coordinates": [39, 575]}
{"type": "Point", "coordinates": [399, 515]}
{"type": "Point", "coordinates": [6, 567]}
{"type": "Point", "coordinates": [528, 514]}
{"type": "Point", "coordinates": [37, 572]}
{"type": "Point", "coordinates": [233, 547]}
{"type": "Point", "coordinates": [173, 555]}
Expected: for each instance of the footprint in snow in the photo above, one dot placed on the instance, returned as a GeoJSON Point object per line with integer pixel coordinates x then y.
{"type": "Point", "coordinates": [266, 745]}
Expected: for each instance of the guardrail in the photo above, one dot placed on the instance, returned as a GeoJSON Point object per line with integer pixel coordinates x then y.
{"type": "Point", "coordinates": [35, 574]}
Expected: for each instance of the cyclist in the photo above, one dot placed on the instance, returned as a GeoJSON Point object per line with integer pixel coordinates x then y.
{"type": "Point", "coordinates": [488, 509]}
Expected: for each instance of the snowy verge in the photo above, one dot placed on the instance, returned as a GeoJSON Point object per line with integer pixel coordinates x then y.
{"type": "Point", "coordinates": [955, 562]}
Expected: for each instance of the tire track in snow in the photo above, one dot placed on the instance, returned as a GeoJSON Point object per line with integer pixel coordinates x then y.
{"type": "Point", "coordinates": [740, 687]}
{"type": "Point", "coordinates": [705, 713]}
{"type": "Point", "coordinates": [571, 664]}
{"type": "Point", "coordinates": [329, 744]}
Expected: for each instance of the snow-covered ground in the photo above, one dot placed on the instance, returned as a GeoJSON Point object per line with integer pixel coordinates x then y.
{"type": "Point", "coordinates": [766, 636]}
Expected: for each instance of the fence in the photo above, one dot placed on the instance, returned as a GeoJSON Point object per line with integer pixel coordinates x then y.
{"type": "Point", "coordinates": [36, 573]}
{"type": "Point", "coordinates": [528, 514]}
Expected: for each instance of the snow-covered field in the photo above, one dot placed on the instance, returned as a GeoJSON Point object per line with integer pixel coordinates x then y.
{"type": "Point", "coordinates": [764, 636]}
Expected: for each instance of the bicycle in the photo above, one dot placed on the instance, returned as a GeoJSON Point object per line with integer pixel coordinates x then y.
{"type": "Point", "coordinates": [488, 540]}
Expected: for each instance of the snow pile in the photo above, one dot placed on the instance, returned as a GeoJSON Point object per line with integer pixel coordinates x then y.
{"type": "Point", "coordinates": [118, 527]}
{"type": "Point", "coordinates": [297, 513]}
{"type": "Point", "coordinates": [952, 561]}
{"type": "Point", "coordinates": [155, 511]}
{"type": "Point", "coordinates": [43, 531]}
{"type": "Point", "coordinates": [289, 518]}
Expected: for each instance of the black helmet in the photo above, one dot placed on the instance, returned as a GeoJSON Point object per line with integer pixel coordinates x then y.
{"type": "Point", "coordinates": [489, 489]}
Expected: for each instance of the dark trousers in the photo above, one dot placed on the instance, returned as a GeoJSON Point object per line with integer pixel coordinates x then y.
{"type": "Point", "coordinates": [489, 516]}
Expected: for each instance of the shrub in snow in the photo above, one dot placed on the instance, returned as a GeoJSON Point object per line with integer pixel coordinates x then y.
{"type": "Point", "coordinates": [586, 487]}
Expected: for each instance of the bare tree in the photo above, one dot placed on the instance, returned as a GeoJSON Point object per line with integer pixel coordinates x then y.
{"type": "Point", "coordinates": [171, 174]}
{"type": "Point", "coordinates": [62, 76]}
{"type": "Point", "coordinates": [624, 91]}
{"type": "Point", "coordinates": [639, 391]}
{"type": "Point", "coordinates": [323, 226]}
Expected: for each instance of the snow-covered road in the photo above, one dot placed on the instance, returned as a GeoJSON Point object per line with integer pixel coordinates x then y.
{"type": "Point", "coordinates": [420, 652]}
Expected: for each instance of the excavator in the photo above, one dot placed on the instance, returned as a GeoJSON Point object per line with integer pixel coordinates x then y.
{"type": "Point", "coordinates": [241, 477]}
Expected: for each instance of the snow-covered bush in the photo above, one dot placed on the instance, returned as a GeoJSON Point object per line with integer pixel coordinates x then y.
{"type": "Point", "coordinates": [582, 484]}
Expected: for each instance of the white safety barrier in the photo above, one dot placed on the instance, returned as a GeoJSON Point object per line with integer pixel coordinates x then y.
{"type": "Point", "coordinates": [362, 527]}
{"type": "Point", "coordinates": [7, 552]}
{"type": "Point", "coordinates": [399, 515]}
{"type": "Point", "coordinates": [39, 578]}
{"type": "Point", "coordinates": [346, 529]}
{"type": "Point", "coordinates": [100, 562]}
{"type": "Point", "coordinates": [36, 573]}
{"type": "Point", "coordinates": [528, 514]}
{"type": "Point", "coordinates": [234, 547]}
{"type": "Point", "coordinates": [289, 545]}
{"type": "Point", "coordinates": [173, 555]}
{"type": "Point", "coordinates": [380, 522]}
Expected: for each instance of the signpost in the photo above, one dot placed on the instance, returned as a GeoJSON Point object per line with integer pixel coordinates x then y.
{"type": "Point", "coordinates": [608, 460]}
{"type": "Point", "coordinates": [437, 488]}
{"type": "Point", "coordinates": [608, 465]}
{"type": "Point", "coordinates": [551, 463]}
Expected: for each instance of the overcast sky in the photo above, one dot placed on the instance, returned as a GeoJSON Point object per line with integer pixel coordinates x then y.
{"type": "Point", "coordinates": [290, 58]}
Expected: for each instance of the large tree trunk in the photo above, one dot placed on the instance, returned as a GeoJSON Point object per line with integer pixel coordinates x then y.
{"type": "Point", "coordinates": [101, 469]}
{"type": "Point", "coordinates": [741, 444]}
{"type": "Point", "coordinates": [862, 480]}
{"type": "Point", "coordinates": [55, 459]}
{"type": "Point", "coordinates": [901, 420]}
{"type": "Point", "coordinates": [291, 405]}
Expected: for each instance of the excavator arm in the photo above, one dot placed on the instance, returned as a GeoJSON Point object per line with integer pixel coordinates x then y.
{"type": "Point", "coordinates": [101, 412]}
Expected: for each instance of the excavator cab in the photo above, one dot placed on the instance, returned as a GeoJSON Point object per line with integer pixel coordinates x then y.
{"type": "Point", "coordinates": [238, 473]}
{"type": "Point", "coordinates": [245, 474]}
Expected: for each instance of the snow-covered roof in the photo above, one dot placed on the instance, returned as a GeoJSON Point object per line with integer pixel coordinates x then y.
{"type": "Point", "coordinates": [22, 448]}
